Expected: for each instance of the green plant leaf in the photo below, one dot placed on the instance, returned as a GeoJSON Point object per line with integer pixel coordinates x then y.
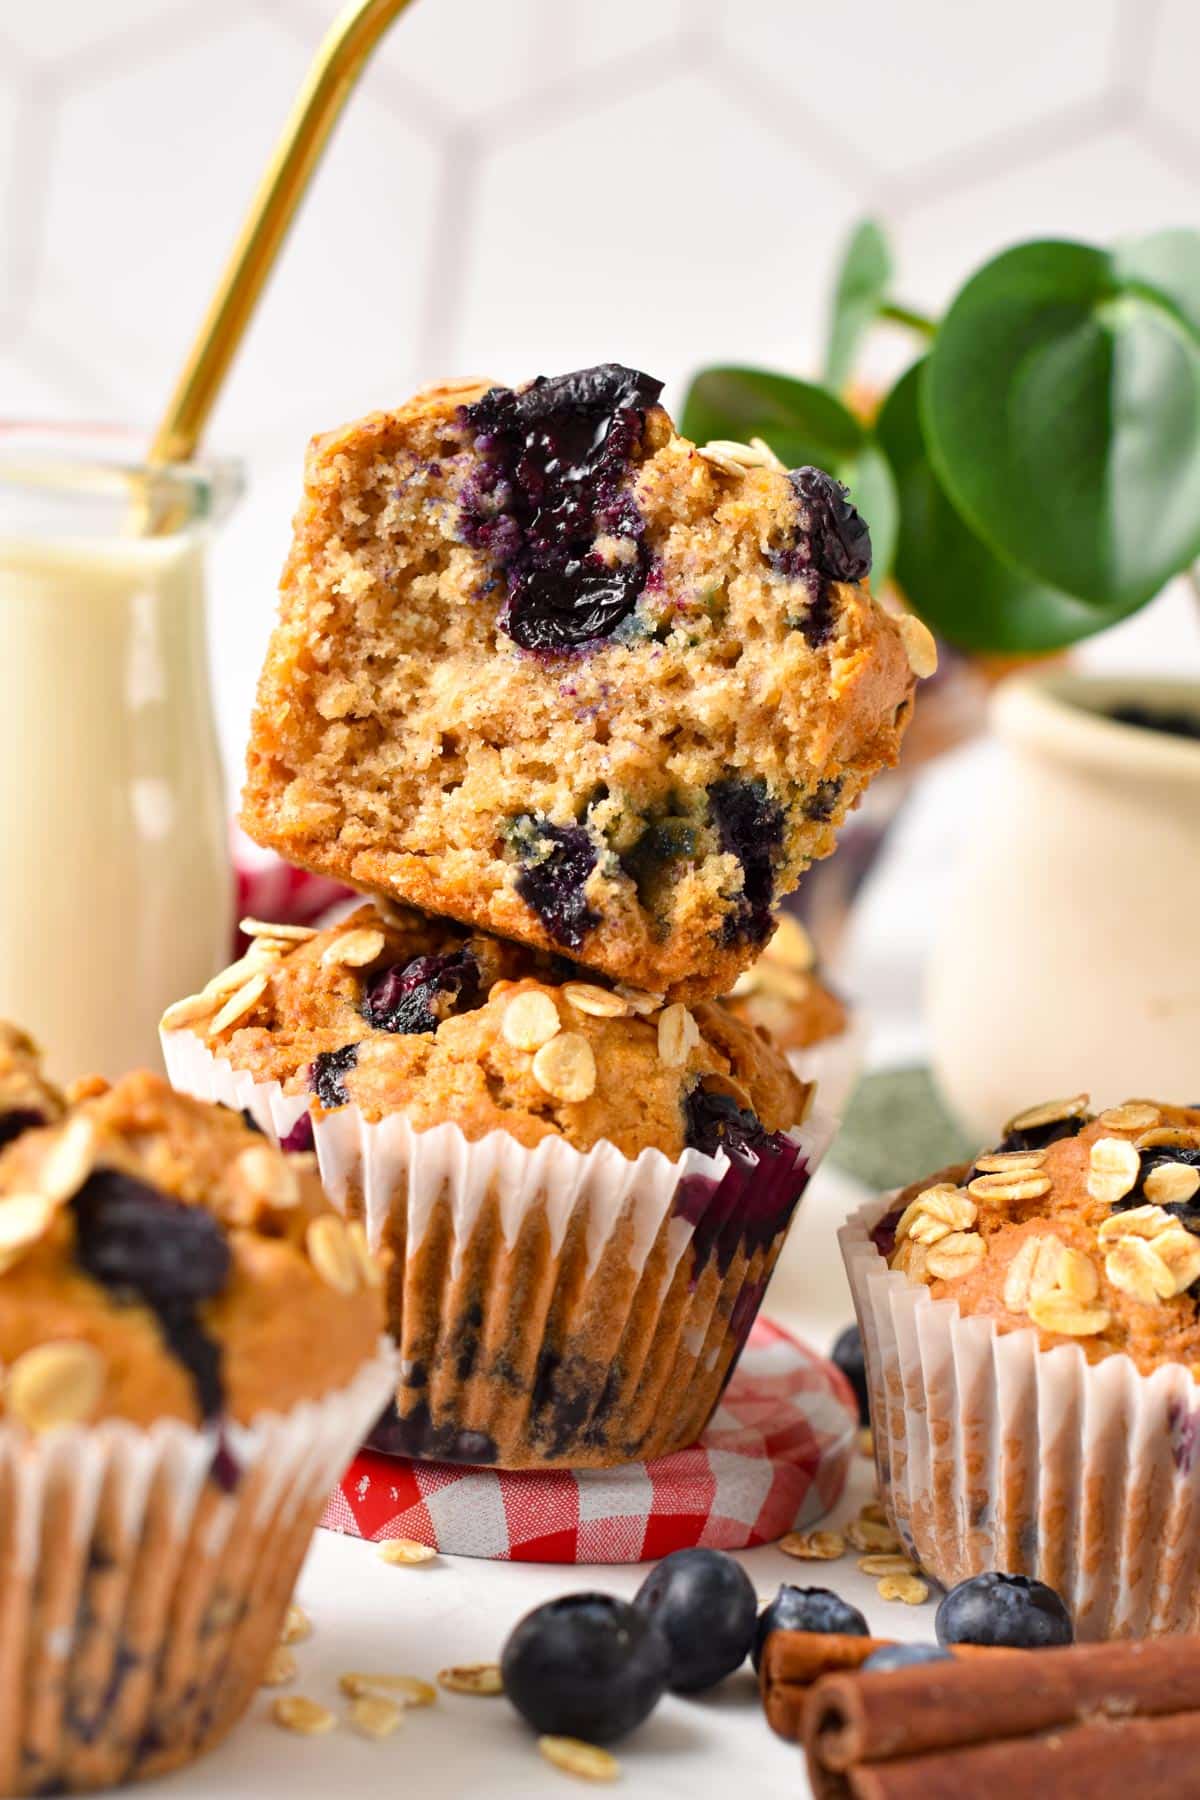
{"type": "Point", "coordinates": [804, 424]}
{"type": "Point", "coordinates": [1062, 413]}
{"type": "Point", "coordinates": [1167, 264]}
{"type": "Point", "coordinates": [950, 577]}
{"type": "Point", "coordinates": [862, 281]}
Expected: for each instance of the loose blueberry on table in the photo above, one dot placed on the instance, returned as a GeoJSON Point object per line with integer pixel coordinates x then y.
{"type": "Point", "coordinates": [847, 1355]}
{"type": "Point", "coordinates": [903, 1656]}
{"type": "Point", "coordinates": [807, 1609]}
{"type": "Point", "coordinates": [705, 1605]}
{"type": "Point", "coordinates": [586, 1665]}
{"type": "Point", "coordinates": [1014, 1612]}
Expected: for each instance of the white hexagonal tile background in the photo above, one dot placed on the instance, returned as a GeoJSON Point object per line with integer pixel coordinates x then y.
{"type": "Point", "coordinates": [63, 34]}
{"type": "Point", "coordinates": [11, 210]}
{"type": "Point", "coordinates": [616, 245]}
{"type": "Point", "coordinates": [534, 184]}
{"type": "Point", "coordinates": [1110, 184]}
{"type": "Point", "coordinates": [920, 83]}
{"type": "Point", "coordinates": [1169, 86]}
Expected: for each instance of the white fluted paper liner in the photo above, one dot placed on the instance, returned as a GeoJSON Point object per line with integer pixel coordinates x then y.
{"type": "Point", "coordinates": [994, 1454]}
{"type": "Point", "coordinates": [492, 1225]}
{"type": "Point", "coordinates": [143, 1591]}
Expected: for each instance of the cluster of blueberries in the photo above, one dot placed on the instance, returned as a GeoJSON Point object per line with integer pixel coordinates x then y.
{"type": "Point", "coordinates": [592, 1666]}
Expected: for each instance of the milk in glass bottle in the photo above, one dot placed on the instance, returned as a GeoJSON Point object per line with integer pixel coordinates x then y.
{"type": "Point", "coordinates": [115, 883]}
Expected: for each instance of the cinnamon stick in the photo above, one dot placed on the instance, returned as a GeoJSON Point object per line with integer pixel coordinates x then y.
{"type": "Point", "coordinates": [794, 1660]}
{"type": "Point", "coordinates": [1128, 1759]}
{"type": "Point", "coordinates": [855, 1719]}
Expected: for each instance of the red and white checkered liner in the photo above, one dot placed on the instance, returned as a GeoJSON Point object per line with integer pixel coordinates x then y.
{"type": "Point", "coordinates": [774, 1456]}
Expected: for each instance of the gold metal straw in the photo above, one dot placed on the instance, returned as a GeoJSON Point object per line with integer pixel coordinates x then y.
{"type": "Point", "coordinates": [335, 69]}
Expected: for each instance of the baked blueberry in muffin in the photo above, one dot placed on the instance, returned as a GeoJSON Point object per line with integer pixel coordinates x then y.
{"type": "Point", "coordinates": [545, 667]}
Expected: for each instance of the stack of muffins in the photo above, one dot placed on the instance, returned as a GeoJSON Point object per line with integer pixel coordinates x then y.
{"type": "Point", "coordinates": [574, 704]}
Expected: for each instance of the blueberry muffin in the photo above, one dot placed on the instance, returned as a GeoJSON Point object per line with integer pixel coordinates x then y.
{"type": "Point", "coordinates": [581, 1190]}
{"type": "Point", "coordinates": [784, 993]}
{"type": "Point", "coordinates": [545, 667]}
{"type": "Point", "coordinates": [1033, 1358]}
{"type": "Point", "coordinates": [189, 1341]}
{"type": "Point", "coordinates": [1085, 1228]}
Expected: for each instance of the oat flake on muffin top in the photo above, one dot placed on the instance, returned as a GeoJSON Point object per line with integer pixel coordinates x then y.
{"type": "Point", "coordinates": [397, 1012]}
{"type": "Point", "coordinates": [1086, 1227]}
{"type": "Point", "coordinates": [159, 1258]}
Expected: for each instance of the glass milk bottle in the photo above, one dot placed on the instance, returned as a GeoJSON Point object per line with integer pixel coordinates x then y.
{"type": "Point", "coordinates": [116, 891]}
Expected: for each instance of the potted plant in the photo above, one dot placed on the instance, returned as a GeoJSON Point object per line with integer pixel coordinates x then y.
{"type": "Point", "coordinates": [1032, 478]}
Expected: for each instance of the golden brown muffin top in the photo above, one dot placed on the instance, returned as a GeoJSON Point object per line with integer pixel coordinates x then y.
{"type": "Point", "coordinates": [26, 1097]}
{"type": "Point", "coordinates": [398, 1012]}
{"type": "Point", "coordinates": [1084, 1227]}
{"type": "Point", "coordinates": [158, 1258]}
{"type": "Point", "coordinates": [784, 995]}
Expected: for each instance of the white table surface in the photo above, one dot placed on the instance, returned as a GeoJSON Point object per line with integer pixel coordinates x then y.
{"type": "Point", "coordinates": [368, 1616]}
{"type": "Point", "coordinates": [371, 1617]}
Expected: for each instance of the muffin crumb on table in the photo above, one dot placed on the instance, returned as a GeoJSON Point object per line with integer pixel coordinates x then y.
{"type": "Point", "coordinates": [546, 667]}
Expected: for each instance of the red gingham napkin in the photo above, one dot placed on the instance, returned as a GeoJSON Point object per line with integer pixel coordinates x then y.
{"type": "Point", "coordinates": [774, 1456]}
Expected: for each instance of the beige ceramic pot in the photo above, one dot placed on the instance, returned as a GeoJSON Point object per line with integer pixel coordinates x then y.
{"type": "Point", "coordinates": [1070, 956]}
